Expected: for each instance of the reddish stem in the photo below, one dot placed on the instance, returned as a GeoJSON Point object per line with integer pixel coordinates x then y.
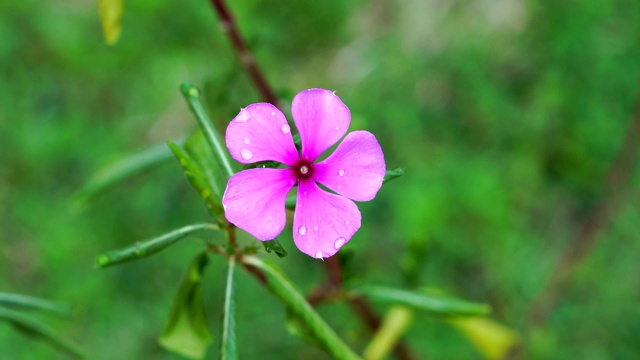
{"type": "Point", "coordinates": [228, 25]}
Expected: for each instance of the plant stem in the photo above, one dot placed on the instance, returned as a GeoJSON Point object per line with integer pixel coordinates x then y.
{"type": "Point", "coordinates": [229, 27]}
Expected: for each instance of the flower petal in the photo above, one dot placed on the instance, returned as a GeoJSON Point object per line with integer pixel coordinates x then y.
{"type": "Point", "coordinates": [323, 222]}
{"type": "Point", "coordinates": [254, 201]}
{"type": "Point", "coordinates": [260, 132]}
{"type": "Point", "coordinates": [321, 118]}
{"type": "Point", "coordinates": [355, 169]}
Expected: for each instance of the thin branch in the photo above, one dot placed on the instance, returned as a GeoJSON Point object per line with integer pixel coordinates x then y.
{"type": "Point", "coordinates": [594, 224]}
{"type": "Point", "coordinates": [229, 27]}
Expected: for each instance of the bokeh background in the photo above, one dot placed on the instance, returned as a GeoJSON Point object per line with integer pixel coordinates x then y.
{"type": "Point", "coordinates": [506, 114]}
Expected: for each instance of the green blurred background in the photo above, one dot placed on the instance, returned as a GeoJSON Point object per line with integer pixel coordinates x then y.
{"type": "Point", "coordinates": [506, 115]}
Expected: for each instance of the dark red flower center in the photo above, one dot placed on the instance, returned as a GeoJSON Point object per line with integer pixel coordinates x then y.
{"type": "Point", "coordinates": [303, 170]}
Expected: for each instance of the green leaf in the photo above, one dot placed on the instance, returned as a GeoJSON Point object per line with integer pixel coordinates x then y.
{"type": "Point", "coordinates": [317, 328]}
{"type": "Point", "coordinates": [394, 324]}
{"type": "Point", "coordinates": [262, 165]}
{"type": "Point", "coordinates": [432, 303]}
{"type": "Point", "coordinates": [275, 246]}
{"type": "Point", "coordinates": [186, 332]}
{"type": "Point", "coordinates": [121, 170]}
{"type": "Point", "coordinates": [197, 179]}
{"type": "Point", "coordinates": [111, 17]}
{"type": "Point", "coordinates": [228, 350]}
{"type": "Point", "coordinates": [29, 302]}
{"type": "Point", "coordinates": [151, 246]}
{"type": "Point", "coordinates": [491, 339]}
{"type": "Point", "coordinates": [37, 330]}
{"type": "Point", "coordinates": [200, 151]}
{"type": "Point", "coordinates": [392, 174]}
{"type": "Point", "coordinates": [192, 95]}
{"type": "Point", "coordinates": [290, 202]}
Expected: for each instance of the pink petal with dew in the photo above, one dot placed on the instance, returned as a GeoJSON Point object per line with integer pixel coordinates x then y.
{"type": "Point", "coordinates": [254, 201]}
{"type": "Point", "coordinates": [321, 118]}
{"type": "Point", "coordinates": [355, 169]}
{"type": "Point", "coordinates": [323, 222]}
{"type": "Point", "coordinates": [260, 132]}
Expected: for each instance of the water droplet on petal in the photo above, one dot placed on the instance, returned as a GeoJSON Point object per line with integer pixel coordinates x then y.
{"type": "Point", "coordinates": [337, 128]}
{"type": "Point", "coordinates": [319, 217]}
{"type": "Point", "coordinates": [246, 154]}
{"type": "Point", "coordinates": [285, 129]}
{"type": "Point", "coordinates": [243, 116]}
{"type": "Point", "coordinates": [346, 222]}
{"type": "Point", "coordinates": [302, 230]}
{"type": "Point", "coordinates": [247, 141]}
{"type": "Point", "coordinates": [319, 255]}
{"type": "Point", "coordinates": [340, 172]}
{"type": "Point", "coordinates": [315, 228]}
{"type": "Point", "coordinates": [258, 107]}
{"type": "Point", "coordinates": [339, 242]}
{"type": "Point", "coordinates": [339, 187]}
{"type": "Point", "coordinates": [273, 113]}
{"type": "Point", "coordinates": [304, 193]}
{"type": "Point", "coordinates": [269, 218]}
{"type": "Point", "coordinates": [244, 212]}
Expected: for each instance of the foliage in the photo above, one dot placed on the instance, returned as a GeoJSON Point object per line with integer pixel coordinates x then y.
{"type": "Point", "coordinates": [505, 116]}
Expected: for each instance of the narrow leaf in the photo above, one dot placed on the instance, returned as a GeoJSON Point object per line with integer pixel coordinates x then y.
{"type": "Point", "coordinates": [37, 330]}
{"type": "Point", "coordinates": [111, 17]}
{"type": "Point", "coordinates": [282, 288]}
{"type": "Point", "coordinates": [394, 324]}
{"type": "Point", "coordinates": [275, 246]}
{"type": "Point", "coordinates": [197, 179]}
{"type": "Point", "coordinates": [432, 303]}
{"type": "Point", "coordinates": [200, 151]}
{"type": "Point", "coordinates": [186, 332]}
{"type": "Point", "coordinates": [290, 202]}
{"type": "Point", "coordinates": [392, 174]}
{"type": "Point", "coordinates": [121, 170]}
{"type": "Point", "coordinates": [29, 303]}
{"type": "Point", "coordinates": [151, 246]}
{"type": "Point", "coordinates": [491, 339]}
{"type": "Point", "coordinates": [228, 350]}
{"type": "Point", "coordinates": [192, 95]}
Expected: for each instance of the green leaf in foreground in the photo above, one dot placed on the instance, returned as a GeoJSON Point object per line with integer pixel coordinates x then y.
{"type": "Point", "coordinates": [29, 303]}
{"type": "Point", "coordinates": [392, 174]}
{"type": "Point", "coordinates": [282, 288]}
{"type": "Point", "coordinates": [121, 170]}
{"type": "Point", "coordinates": [197, 179]}
{"type": "Point", "coordinates": [151, 246]}
{"type": "Point", "coordinates": [432, 303]}
{"type": "Point", "coordinates": [192, 95]}
{"type": "Point", "coordinates": [228, 343]}
{"type": "Point", "coordinates": [186, 332]}
{"type": "Point", "coordinates": [40, 331]}
{"type": "Point", "coordinates": [275, 246]}
{"type": "Point", "coordinates": [200, 151]}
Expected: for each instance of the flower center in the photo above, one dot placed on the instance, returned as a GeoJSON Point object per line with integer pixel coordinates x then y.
{"type": "Point", "coordinates": [303, 170]}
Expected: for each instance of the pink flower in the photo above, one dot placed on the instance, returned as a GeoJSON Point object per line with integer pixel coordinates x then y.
{"type": "Point", "coordinates": [255, 199]}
